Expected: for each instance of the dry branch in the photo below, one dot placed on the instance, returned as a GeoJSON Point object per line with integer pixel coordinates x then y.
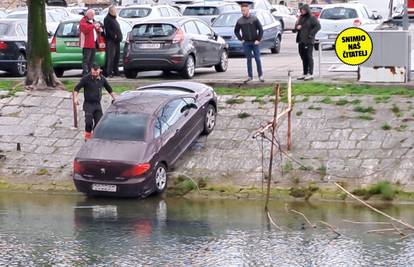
{"type": "Point", "coordinates": [306, 219]}
{"type": "Point", "coordinates": [269, 216]}
{"type": "Point", "coordinates": [375, 209]}
{"type": "Point", "coordinates": [381, 230]}
{"type": "Point", "coordinates": [382, 223]}
{"type": "Point", "coordinates": [331, 227]}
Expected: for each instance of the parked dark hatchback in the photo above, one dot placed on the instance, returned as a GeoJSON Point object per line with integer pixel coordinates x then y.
{"type": "Point", "coordinates": [174, 44]}
{"type": "Point", "coordinates": [13, 41]}
{"type": "Point", "coordinates": [141, 136]}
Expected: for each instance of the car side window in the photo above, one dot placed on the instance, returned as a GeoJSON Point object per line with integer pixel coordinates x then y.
{"type": "Point", "coordinates": [261, 19]}
{"type": "Point", "coordinates": [164, 12]}
{"type": "Point", "coordinates": [268, 18]}
{"type": "Point", "coordinates": [190, 28]}
{"type": "Point", "coordinates": [203, 28]}
{"type": "Point", "coordinates": [174, 12]}
{"type": "Point", "coordinates": [168, 116]}
{"type": "Point", "coordinates": [19, 30]}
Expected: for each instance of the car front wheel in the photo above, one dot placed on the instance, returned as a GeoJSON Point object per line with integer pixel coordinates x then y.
{"type": "Point", "coordinates": [19, 69]}
{"type": "Point", "coordinates": [276, 47]}
{"type": "Point", "coordinates": [189, 68]}
{"type": "Point", "coordinates": [209, 120]}
{"type": "Point", "coordinates": [160, 178]}
{"type": "Point", "coordinates": [130, 73]}
{"type": "Point", "coordinates": [224, 62]}
{"type": "Point", "coordinates": [59, 72]}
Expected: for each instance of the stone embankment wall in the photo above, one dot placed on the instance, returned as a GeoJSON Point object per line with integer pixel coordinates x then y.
{"type": "Point", "coordinates": [332, 141]}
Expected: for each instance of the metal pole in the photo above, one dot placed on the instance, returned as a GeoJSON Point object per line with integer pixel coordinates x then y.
{"type": "Point", "coordinates": [289, 133]}
{"type": "Point", "coordinates": [75, 111]}
{"type": "Point", "coordinates": [406, 22]}
{"type": "Point", "coordinates": [319, 59]}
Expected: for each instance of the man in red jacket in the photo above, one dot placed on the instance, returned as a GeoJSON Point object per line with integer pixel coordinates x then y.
{"type": "Point", "coordinates": [89, 33]}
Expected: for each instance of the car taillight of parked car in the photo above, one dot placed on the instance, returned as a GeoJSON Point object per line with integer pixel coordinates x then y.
{"type": "Point", "coordinates": [357, 22]}
{"type": "Point", "coordinates": [137, 170]}
{"type": "Point", "coordinates": [3, 45]}
{"type": "Point", "coordinates": [178, 37]}
{"type": "Point", "coordinates": [77, 167]}
{"type": "Point", "coordinates": [53, 44]}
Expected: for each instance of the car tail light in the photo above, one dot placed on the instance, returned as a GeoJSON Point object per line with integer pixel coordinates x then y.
{"type": "Point", "coordinates": [53, 44]}
{"type": "Point", "coordinates": [101, 44]}
{"type": "Point", "coordinates": [3, 45]}
{"type": "Point", "coordinates": [178, 37]}
{"type": "Point", "coordinates": [137, 170]}
{"type": "Point", "coordinates": [77, 167]}
{"type": "Point", "coordinates": [357, 22]}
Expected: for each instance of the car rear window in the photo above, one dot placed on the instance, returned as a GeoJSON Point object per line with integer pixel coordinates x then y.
{"type": "Point", "coordinates": [17, 16]}
{"type": "Point", "coordinates": [338, 13]}
{"type": "Point", "coordinates": [122, 126]}
{"type": "Point", "coordinates": [70, 29]}
{"type": "Point", "coordinates": [134, 12]}
{"type": "Point", "coordinates": [315, 9]}
{"type": "Point", "coordinates": [153, 30]}
{"type": "Point", "coordinates": [201, 11]}
{"type": "Point", "coordinates": [4, 28]}
{"type": "Point", "coordinates": [226, 20]}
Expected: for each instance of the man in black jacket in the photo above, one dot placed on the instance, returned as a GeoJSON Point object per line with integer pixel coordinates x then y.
{"type": "Point", "coordinates": [113, 37]}
{"type": "Point", "coordinates": [307, 26]}
{"type": "Point", "coordinates": [92, 85]}
{"type": "Point", "coordinates": [251, 35]}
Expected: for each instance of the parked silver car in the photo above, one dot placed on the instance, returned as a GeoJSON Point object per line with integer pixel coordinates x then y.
{"type": "Point", "coordinates": [285, 16]}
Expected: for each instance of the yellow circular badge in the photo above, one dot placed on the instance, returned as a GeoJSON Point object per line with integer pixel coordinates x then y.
{"type": "Point", "coordinates": [353, 46]}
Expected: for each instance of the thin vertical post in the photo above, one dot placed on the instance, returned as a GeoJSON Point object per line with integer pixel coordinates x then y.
{"type": "Point", "coordinates": [289, 92]}
{"type": "Point", "coordinates": [75, 111]}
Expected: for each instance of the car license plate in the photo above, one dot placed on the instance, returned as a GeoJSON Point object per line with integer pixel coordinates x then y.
{"type": "Point", "coordinates": [72, 44]}
{"type": "Point", "coordinates": [149, 46]}
{"type": "Point", "coordinates": [104, 187]}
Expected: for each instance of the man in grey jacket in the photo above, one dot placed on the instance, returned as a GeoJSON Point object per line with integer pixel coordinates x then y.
{"type": "Point", "coordinates": [251, 35]}
{"type": "Point", "coordinates": [306, 27]}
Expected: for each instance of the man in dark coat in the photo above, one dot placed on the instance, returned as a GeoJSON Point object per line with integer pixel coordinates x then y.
{"type": "Point", "coordinates": [251, 34]}
{"type": "Point", "coordinates": [306, 27]}
{"type": "Point", "coordinates": [113, 37]}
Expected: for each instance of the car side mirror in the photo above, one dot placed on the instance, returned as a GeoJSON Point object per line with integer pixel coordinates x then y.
{"type": "Point", "coordinates": [272, 10]}
{"type": "Point", "coordinates": [188, 106]}
{"type": "Point", "coordinates": [212, 20]}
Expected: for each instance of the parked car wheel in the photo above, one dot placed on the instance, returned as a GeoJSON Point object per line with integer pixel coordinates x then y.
{"type": "Point", "coordinates": [19, 69]}
{"type": "Point", "coordinates": [209, 119]}
{"type": "Point", "coordinates": [316, 46]}
{"type": "Point", "coordinates": [276, 47]}
{"type": "Point", "coordinates": [189, 69]}
{"type": "Point", "coordinates": [59, 72]}
{"type": "Point", "coordinates": [224, 62]}
{"type": "Point", "coordinates": [130, 73]}
{"type": "Point", "coordinates": [160, 178]}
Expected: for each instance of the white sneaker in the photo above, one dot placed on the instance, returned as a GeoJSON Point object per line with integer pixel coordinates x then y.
{"type": "Point", "coordinates": [261, 78]}
{"type": "Point", "coordinates": [301, 77]}
{"type": "Point", "coordinates": [308, 77]}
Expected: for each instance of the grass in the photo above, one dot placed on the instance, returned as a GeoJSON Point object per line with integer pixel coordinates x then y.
{"type": "Point", "coordinates": [402, 127]}
{"type": "Point", "coordinates": [365, 117]}
{"type": "Point", "coordinates": [243, 115]}
{"type": "Point", "coordinates": [322, 170]}
{"type": "Point", "coordinates": [362, 109]}
{"type": "Point", "coordinates": [234, 101]}
{"type": "Point", "coordinates": [259, 100]}
{"type": "Point", "coordinates": [386, 127]}
{"type": "Point", "coordinates": [382, 99]}
{"type": "Point", "coordinates": [314, 108]}
{"type": "Point", "coordinates": [396, 110]}
{"type": "Point", "coordinates": [326, 100]}
{"type": "Point", "coordinates": [299, 113]}
{"type": "Point", "coordinates": [288, 167]}
{"type": "Point", "coordinates": [384, 189]}
{"type": "Point", "coordinates": [42, 171]}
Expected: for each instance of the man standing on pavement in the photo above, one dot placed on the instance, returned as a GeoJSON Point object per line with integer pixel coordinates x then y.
{"type": "Point", "coordinates": [251, 35]}
{"type": "Point", "coordinates": [113, 37]}
{"type": "Point", "coordinates": [89, 34]}
{"type": "Point", "coordinates": [92, 85]}
{"type": "Point", "coordinates": [307, 26]}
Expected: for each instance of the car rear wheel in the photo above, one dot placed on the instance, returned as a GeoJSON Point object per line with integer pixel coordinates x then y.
{"type": "Point", "coordinates": [209, 119]}
{"type": "Point", "coordinates": [276, 47]}
{"type": "Point", "coordinates": [160, 178]}
{"type": "Point", "coordinates": [59, 72]}
{"type": "Point", "coordinates": [316, 46]}
{"type": "Point", "coordinates": [19, 69]}
{"type": "Point", "coordinates": [189, 69]}
{"type": "Point", "coordinates": [224, 62]}
{"type": "Point", "coordinates": [130, 73]}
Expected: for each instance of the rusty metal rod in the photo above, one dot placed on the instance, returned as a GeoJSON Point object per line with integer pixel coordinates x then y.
{"type": "Point", "coordinates": [75, 111]}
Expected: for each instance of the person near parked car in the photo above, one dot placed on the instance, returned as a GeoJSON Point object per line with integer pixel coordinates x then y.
{"type": "Point", "coordinates": [89, 34]}
{"type": "Point", "coordinates": [249, 31]}
{"type": "Point", "coordinates": [113, 36]}
{"type": "Point", "coordinates": [306, 27]}
{"type": "Point", "coordinates": [92, 85]}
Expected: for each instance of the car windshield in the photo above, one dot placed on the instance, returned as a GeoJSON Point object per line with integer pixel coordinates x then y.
{"type": "Point", "coordinates": [70, 29]}
{"type": "Point", "coordinates": [134, 12]}
{"type": "Point", "coordinates": [17, 16]}
{"type": "Point", "coordinates": [3, 28]}
{"type": "Point", "coordinates": [315, 9]}
{"type": "Point", "coordinates": [201, 11]}
{"type": "Point", "coordinates": [226, 20]}
{"type": "Point", "coordinates": [153, 30]}
{"type": "Point", "coordinates": [122, 126]}
{"type": "Point", "coordinates": [338, 13]}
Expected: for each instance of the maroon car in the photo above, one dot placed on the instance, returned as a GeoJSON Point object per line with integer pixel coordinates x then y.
{"type": "Point", "coordinates": [141, 136]}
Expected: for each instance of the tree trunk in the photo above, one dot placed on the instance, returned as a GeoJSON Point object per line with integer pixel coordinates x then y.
{"type": "Point", "coordinates": [40, 74]}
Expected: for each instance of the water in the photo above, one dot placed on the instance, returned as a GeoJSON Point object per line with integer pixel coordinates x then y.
{"type": "Point", "coordinates": [70, 230]}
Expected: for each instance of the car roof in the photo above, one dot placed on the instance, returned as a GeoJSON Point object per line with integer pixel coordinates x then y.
{"type": "Point", "coordinates": [144, 6]}
{"type": "Point", "coordinates": [348, 5]}
{"type": "Point", "coordinates": [252, 11]}
{"type": "Point", "coordinates": [211, 4]}
{"type": "Point", "coordinates": [12, 20]}
{"type": "Point", "coordinates": [171, 20]}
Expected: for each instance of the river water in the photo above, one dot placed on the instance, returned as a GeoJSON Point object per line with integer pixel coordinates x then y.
{"type": "Point", "coordinates": [71, 230]}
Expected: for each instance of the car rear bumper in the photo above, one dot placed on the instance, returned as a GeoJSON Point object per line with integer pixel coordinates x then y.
{"type": "Point", "coordinates": [153, 61]}
{"type": "Point", "coordinates": [74, 60]}
{"type": "Point", "coordinates": [136, 187]}
{"type": "Point", "coordinates": [235, 47]}
{"type": "Point", "coordinates": [5, 64]}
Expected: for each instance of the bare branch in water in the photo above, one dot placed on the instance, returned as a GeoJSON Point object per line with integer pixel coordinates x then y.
{"type": "Point", "coordinates": [306, 219]}
{"type": "Point", "coordinates": [331, 227]}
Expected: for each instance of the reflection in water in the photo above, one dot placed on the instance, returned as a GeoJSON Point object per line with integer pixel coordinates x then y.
{"type": "Point", "coordinates": [39, 230]}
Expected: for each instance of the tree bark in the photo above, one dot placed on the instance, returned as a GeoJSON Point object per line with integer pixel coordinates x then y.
{"type": "Point", "coordinates": [40, 74]}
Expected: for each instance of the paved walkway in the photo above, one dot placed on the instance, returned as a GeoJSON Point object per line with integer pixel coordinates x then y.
{"type": "Point", "coordinates": [332, 139]}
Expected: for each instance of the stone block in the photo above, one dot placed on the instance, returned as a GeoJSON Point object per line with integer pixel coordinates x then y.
{"type": "Point", "coordinates": [9, 120]}
{"type": "Point", "coordinates": [45, 150]}
{"type": "Point", "coordinates": [64, 142]}
{"type": "Point", "coordinates": [325, 145]}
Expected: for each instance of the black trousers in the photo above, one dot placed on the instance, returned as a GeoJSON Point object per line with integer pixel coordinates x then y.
{"type": "Point", "coordinates": [112, 54]}
{"type": "Point", "coordinates": [88, 58]}
{"type": "Point", "coordinates": [306, 54]}
{"type": "Point", "coordinates": [93, 113]}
